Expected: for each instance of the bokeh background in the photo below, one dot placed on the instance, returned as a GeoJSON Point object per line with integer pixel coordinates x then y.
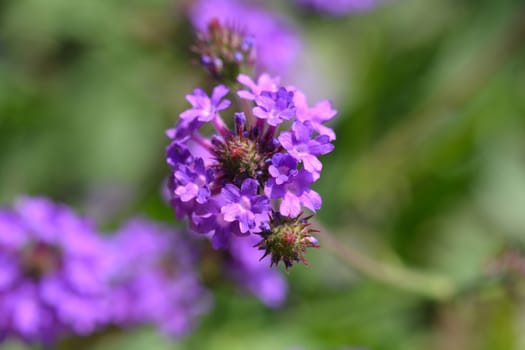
{"type": "Point", "coordinates": [424, 193]}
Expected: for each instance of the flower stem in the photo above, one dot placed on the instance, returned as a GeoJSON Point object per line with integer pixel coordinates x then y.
{"type": "Point", "coordinates": [431, 286]}
{"type": "Point", "coordinates": [220, 126]}
{"type": "Point", "coordinates": [205, 143]}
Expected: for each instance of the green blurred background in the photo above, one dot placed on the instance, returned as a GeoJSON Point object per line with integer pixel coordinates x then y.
{"type": "Point", "coordinates": [425, 188]}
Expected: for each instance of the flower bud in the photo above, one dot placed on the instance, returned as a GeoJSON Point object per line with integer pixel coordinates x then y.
{"type": "Point", "coordinates": [225, 51]}
{"type": "Point", "coordinates": [287, 240]}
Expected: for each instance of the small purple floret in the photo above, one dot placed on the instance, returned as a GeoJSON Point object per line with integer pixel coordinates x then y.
{"type": "Point", "coordinates": [295, 192]}
{"type": "Point", "coordinates": [275, 107]}
{"type": "Point", "coordinates": [245, 205]}
{"type": "Point", "coordinates": [193, 183]}
{"type": "Point", "coordinates": [301, 146]}
{"type": "Point", "coordinates": [264, 83]}
{"type": "Point", "coordinates": [206, 109]}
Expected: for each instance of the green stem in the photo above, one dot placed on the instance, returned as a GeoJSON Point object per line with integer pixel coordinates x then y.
{"type": "Point", "coordinates": [428, 285]}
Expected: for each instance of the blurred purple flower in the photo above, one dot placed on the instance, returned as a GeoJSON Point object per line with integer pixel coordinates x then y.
{"type": "Point", "coordinates": [53, 269]}
{"type": "Point", "coordinates": [255, 275]}
{"type": "Point", "coordinates": [154, 280]}
{"type": "Point", "coordinates": [277, 43]}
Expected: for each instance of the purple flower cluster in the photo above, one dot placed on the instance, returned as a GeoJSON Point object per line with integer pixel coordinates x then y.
{"type": "Point", "coordinates": [230, 183]}
{"type": "Point", "coordinates": [276, 42]}
{"type": "Point", "coordinates": [59, 278]}
{"type": "Point", "coordinates": [153, 279]}
{"type": "Point", "coordinates": [52, 272]}
{"type": "Point", "coordinates": [338, 7]}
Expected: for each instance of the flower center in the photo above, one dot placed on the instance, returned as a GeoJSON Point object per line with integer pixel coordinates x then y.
{"type": "Point", "coordinates": [200, 181]}
{"type": "Point", "coordinates": [168, 264]}
{"type": "Point", "coordinates": [302, 149]}
{"type": "Point", "coordinates": [240, 158]}
{"type": "Point", "coordinates": [245, 203]}
{"type": "Point", "coordinates": [294, 188]}
{"type": "Point", "coordinates": [40, 259]}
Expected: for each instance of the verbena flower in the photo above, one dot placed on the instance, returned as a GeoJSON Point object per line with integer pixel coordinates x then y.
{"type": "Point", "coordinates": [272, 37]}
{"type": "Point", "coordinates": [301, 146]}
{"type": "Point", "coordinates": [204, 108]}
{"type": "Point", "coordinates": [292, 185]}
{"type": "Point", "coordinates": [338, 7]}
{"type": "Point", "coordinates": [275, 107]}
{"type": "Point", "coordinates": [245, 206]}
{"type": "Point", "coordinates": [254, 176]}
{"type": "Point", "coordinates": [264, 83]}
{"type": "Point", "coordinates": [153, 279]}
{"type": "Point", "coordinates": [52, 272]}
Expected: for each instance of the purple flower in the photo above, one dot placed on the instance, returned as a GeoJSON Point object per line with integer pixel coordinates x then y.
{"type": "Point", "coordinates": [177, 153]}
{"type": "Point", "coordinates": [245, 206]}
{"type": "Point", "coordinates": [254, 274]}
{"type": "Point", "coordinates": [275, 107]}
{"type": "Point", "coordinates": [294, 189]}
{"type": "Point", "coordinates": [53, 271]}
{"type": "Point", "coordinates": [302, 147]}
{"type": "Point", "coordinates": [283, 167]}
{"type": "Point", "coordinates": [264, 83]}
{"type": "Point", "coordinates": [185, 128]}
{"type": "Point", "coordinates": [277, 43]}
{"type": "Point", "coordinates": [316, 116]}
{"type": "Point", "coordinates": [193, 183]}
{"type": "Point", "coordinates": [209, 219]}
{"type": "Point", "coordinates": [339, 7]}
{"type": "Point", "coordinates": [153, 279]}
{"type": "Point", "coordinates": [206, 109]}
{"type": "Point", "coordinates": [248, 181]}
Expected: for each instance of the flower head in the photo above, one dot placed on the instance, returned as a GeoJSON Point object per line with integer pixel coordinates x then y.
{"type": "Point", "coordinates": [255, 178]}
{"type": "Point", "coordinates": [53, 270]}
{"type": "Point", "coordinates": [271, 37]}
{"type": "Point", "coordinates": [225, 50]}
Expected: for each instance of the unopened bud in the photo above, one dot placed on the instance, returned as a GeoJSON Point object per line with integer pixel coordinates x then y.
{"type": "Point", "coordinates": [287, 240]}
{"type": "Point", "coordinates": [225, 51]}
